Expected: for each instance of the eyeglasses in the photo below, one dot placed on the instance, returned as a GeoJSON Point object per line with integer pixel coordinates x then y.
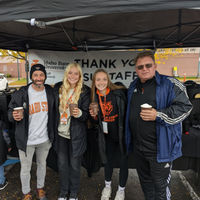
{"type": "Point", "coordinates": [148, 65]}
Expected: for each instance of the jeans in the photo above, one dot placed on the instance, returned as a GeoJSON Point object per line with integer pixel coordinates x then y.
{"type": "Point", "coordinates": [41, 151]}
{"type": "Point", "coordinates": [69, 168]}
{"type": "Point", "coordinates": [2, 178]}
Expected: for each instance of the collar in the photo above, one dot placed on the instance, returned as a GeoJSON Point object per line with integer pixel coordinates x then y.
{"type": "Point", "coordinates": [107, 92]}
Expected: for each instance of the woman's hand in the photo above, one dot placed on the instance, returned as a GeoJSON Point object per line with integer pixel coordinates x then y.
{"type": "Point", "coordinates": [75, 112]}
{"type": "Point", "coordinates": [92, 113]}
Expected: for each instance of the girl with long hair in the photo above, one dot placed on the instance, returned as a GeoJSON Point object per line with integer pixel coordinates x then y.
{"type": "Point", "coordinates": [110, 119]}
{"type": "Point", "coordinates": [71, 137]}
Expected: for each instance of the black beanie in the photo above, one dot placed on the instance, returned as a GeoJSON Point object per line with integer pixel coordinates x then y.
{"type": "Point", "coordinates": [38, 67]}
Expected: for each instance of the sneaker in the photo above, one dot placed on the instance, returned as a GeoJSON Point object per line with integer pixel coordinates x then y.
{"type": "Point", "coordinates": [120, 195]}
{"type": "Point", "coordinates": [41, 194]}
{"type": "Point", "coordinates": [2, 186]}
{"type": "Point", "coordinates": [62, 197]}
{"type": "Point", "coordinates": [27, 196]}
{"type": "Point", "coordinates": [106, 193]}
{"type": "Point", "coordinates": [73, 196]}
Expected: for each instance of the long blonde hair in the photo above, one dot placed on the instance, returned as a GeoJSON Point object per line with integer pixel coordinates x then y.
{"type": "Point", "coordinates": [111, 85]}
{"type": "Point", "coordinates": [64, 89]}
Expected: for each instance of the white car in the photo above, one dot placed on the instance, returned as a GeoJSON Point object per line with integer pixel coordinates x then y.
{"type": "Point", "coordinates": [3, 82]}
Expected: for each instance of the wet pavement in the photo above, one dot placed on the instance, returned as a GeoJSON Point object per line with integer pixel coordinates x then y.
{"type": "Point", "coordinates": [182, 185]}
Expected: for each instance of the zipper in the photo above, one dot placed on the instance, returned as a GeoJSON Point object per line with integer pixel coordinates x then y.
{"type": "Point", "coordinates": [139, 137]}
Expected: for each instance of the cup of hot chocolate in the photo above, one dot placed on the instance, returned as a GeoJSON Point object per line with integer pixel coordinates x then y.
{"type": "Point", "coordinates": [71, 108]}
{"type": "Point", "coordinates": [20, 111]}
{"type": "Point", "coordinates": [146, 106]}
{"type": "Point", "coordinates": [94, 107]}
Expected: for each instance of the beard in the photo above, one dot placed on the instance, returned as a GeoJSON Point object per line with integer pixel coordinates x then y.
{"type": "Point", "coordinates": [36, 85]}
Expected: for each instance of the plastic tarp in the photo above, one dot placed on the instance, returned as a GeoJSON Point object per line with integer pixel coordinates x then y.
{"type": "Point", "coordinates": [27, 9]}
{"type": "Point", "coordinates": [113, 25]}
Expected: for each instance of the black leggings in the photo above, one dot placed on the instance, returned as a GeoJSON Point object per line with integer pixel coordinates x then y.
{"type": "Point", "coordinates": [111, 148]}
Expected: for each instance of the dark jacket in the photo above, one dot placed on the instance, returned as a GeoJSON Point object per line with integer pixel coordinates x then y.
{"type": "Point", "coordinates": [121, 100]}
{"type": "Point", "coordinates": [5, 142]}
{"type": "Point", "coordinates": [173, 106]}
{"type": "Point", "coordinates": [78, 126]}
{"type": "Point", "coordinates": [20, 99]}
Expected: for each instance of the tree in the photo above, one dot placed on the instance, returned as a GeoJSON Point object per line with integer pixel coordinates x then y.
{"type": "Point", "coordinates": [12, 54]}
{"type": "Point", "coordinates": [165, 54]}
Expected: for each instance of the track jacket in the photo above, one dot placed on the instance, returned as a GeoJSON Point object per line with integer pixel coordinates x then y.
{"type": "Point", "coordinates": [20, 99]}
{"type": "Point", "coordinates": [173, 106]}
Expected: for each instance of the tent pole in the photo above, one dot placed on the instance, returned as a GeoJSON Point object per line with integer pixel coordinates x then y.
{"type": "Point", "coordinates": [199, 65]}
{"type": "Point", "coordinates": [33, 22]}
{"type": "Point", "coordinates": [26, 68]}
{"type": "Point", "coordinates": [67, 19]}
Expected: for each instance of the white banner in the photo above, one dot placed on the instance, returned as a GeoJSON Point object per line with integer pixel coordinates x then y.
{"type": "Point", "coordinates": [118, 64]}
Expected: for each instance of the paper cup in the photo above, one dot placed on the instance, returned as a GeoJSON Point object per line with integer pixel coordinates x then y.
{"type": "Point", "coordinates": [94, 107]}
{"type": "Point", "coordinates": [20, 111]}
{"type": "Point", "coordinates": [71, 108]}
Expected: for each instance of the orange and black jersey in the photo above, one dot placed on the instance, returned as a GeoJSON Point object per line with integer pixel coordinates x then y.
{"type": "Point", "coordinates": [110, 115]}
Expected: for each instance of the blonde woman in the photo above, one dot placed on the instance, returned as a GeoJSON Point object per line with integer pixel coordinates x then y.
{"type": "Point", "coordinates": [110, 119]}
{"type": "Point", "coordinates": [71, 140]}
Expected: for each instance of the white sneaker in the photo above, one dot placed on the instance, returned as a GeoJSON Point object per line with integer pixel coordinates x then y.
{"type": "Point", "coordinates": [73, 197]}
{"type": "Point", "coordinates": [120, 195]}
{"type": "Point", "coordinates": [106, 193]}
{"type": "Point", "coordinates": [62, 197]}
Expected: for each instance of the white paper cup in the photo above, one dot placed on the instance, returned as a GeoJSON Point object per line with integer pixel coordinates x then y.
{"type": "Point", "coordinates": [20, 111]}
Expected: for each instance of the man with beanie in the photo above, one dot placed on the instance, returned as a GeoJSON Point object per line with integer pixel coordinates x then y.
{"type": "Point", "coordinates": [34, 131]}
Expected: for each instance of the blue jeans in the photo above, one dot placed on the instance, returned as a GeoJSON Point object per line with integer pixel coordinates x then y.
{"type": "Point", "coordinates": [2, 178]}
{"type": "Point", "coordinates": [69, 168]}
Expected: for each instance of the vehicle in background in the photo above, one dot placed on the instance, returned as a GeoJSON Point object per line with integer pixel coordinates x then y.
{"type": "Point", "coordinates": [3, 82]}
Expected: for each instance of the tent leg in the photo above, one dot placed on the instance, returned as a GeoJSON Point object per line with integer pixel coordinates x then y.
{"type": "Point", "coordinates": [26, 68]}
{"type": "Point", "coordinates": [198, 66]}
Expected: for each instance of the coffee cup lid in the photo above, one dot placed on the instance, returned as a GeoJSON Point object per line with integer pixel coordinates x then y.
{"type": "Point", "coordinates": [18, 108]}
{"type": "Point", "coordinates": [146, 105]}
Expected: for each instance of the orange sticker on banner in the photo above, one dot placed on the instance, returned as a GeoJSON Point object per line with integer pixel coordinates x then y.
{"type": "Point", "coordinates": [63, 118]}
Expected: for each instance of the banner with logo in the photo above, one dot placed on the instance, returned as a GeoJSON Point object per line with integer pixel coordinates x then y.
{"type": "Point", "coordinates": [118, 64]}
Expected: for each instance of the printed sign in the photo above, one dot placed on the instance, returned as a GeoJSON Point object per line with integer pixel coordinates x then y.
{"type": "Point", "coordinates": [118, 64]}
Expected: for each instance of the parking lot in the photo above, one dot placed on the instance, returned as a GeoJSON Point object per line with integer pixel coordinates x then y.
{"type": "Point", "coordinates": [182, 185]}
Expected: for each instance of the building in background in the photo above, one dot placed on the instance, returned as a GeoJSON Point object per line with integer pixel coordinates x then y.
{"type": "Point", "coordinates": [9, 66]}
{"type": "Point", "coordinates": [185, 59]}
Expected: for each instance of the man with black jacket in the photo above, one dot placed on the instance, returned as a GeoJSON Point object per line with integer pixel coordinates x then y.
{"type": "Point", "coordinates": [155, 134]}
{"type": "Point", "coordinates": [34, 130]}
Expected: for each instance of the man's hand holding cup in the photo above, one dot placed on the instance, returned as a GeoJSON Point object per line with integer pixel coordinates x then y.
{"type": "Point", "coordinates": [148, 113]}
{"type": "Point", "coordinates": [18, 113]}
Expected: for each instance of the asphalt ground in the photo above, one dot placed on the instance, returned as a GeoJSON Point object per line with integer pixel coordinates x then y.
{"type": "Point", "coordinates": [182, 185]}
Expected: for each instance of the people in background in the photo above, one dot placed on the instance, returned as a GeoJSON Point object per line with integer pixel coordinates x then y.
{"type": "Point", "coordinates": [71, 129]}
{"type": "Point", "coordinates": [34, 131]}
{"type": "Point", "coordinates": [111, 120]}
{"type": "Point", "coordinates": [5, 146]}
{"type": "Point", "coordinates": [155, 133]}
